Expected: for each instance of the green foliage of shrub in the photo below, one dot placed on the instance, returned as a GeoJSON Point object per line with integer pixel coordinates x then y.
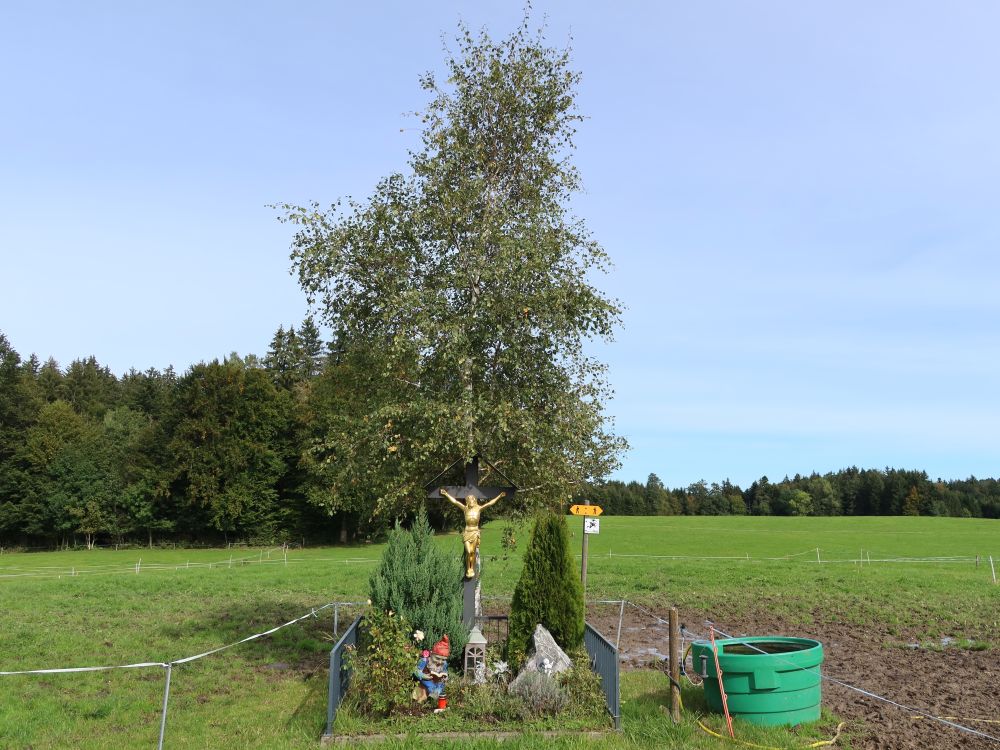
{"type": "Point", "coordinates": [549, 590]}
{"type": "Point", "coordinates": [382, 665]}
{"type": "Point", "coordinates": [423, 584]}
{"type": "Point", "coordinates": [582, 685]}
{"type": "Point", "coordinates": [488, 703]}
{"type": "Point", "coordinates": [542, 695]}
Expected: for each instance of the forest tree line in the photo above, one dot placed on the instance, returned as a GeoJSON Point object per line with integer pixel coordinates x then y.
{"type": "Point", "coordinates": [848, 492]}
{"type": "Point", "coordinates": [225, 452]}
{"type": "Point", "coordinates": [218, 453]}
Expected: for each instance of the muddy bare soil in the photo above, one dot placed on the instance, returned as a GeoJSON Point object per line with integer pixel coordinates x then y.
{"type": "Point", "coordinates": [943, 682]}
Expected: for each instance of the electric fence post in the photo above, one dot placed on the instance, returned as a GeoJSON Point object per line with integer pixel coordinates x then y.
{"type": "Point", "coordinates": [675, 667]}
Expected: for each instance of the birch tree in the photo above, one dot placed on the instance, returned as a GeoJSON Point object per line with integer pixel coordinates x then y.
{"type": "Point", "coordinates": [459, 292]}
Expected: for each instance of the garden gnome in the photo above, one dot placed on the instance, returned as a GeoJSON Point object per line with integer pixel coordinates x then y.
{"type": "Point", "coordinates": [431, 671]}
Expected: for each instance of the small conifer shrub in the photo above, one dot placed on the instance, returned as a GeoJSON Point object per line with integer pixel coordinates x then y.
{"type": "Point", "coordinates": [549, 590]}
{"type": "Point", "coordinates": [542, 694]}
{"type": "Point", "coordinates": [422, 583]}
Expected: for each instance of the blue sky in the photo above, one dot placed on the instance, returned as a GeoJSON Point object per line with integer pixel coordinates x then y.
{"type": "Point", "coordinates": [800, 199]}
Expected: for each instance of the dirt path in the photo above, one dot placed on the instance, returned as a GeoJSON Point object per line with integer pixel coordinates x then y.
{"type": "Point", "coordinates": [946, 682]}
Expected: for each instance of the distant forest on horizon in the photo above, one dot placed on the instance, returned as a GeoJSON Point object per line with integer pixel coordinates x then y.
{"type": "Point", "coordinates": [223, 453]}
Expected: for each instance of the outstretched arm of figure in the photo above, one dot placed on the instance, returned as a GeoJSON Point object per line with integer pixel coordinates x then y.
{"type": "Point", "coordinates": [450, 499]}
{"type": "Point", "coordinates": [488, 504]}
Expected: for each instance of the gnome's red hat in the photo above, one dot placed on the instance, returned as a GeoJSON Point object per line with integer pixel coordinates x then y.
{"type": "Point", "coordinates": [442, 647]}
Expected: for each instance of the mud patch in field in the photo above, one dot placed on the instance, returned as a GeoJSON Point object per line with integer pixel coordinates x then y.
{"type": "Point", "coordinates": [946, 682]}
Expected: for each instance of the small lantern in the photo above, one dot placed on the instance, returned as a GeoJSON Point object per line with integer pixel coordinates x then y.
{"type": "Point", "coordinates": [475, 657]}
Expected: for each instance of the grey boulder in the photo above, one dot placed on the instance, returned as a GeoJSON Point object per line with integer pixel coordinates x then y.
{"type": "Point", "coordinates": [546, 657]}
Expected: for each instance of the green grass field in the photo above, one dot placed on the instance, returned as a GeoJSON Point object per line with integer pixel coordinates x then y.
{"type": "Point", "coordinates": [89, 608]}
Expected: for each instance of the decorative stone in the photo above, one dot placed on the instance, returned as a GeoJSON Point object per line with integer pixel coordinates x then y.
{"type": "Point", "coordinates": [546, 657]}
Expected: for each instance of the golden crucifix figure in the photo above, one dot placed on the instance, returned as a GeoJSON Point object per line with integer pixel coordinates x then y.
{"type": "Point", "coordinates": [470, 536]}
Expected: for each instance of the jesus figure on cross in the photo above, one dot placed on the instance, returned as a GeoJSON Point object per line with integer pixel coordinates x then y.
{"type": "Point", "coordinates": [470, 536]}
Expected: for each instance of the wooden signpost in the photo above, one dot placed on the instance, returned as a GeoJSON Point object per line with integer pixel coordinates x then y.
{"type": "Point", "coordinates": [586, 510]}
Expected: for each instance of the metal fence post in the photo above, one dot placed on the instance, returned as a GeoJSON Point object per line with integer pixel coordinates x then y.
{"type": "Point", "coordinates": [331, 696]}
{"type": "Point", "coordinates": [621, 616]}
{"type": "Point", "coordinates": [166, 699]}
{"type": "Point", "coordinates": [675, 666]}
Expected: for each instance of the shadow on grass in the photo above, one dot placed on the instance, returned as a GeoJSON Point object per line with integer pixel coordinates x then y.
{"type": "Point", "coordinates": [302, 647]}
{"type": "Point", "coordinates": [282, 676]}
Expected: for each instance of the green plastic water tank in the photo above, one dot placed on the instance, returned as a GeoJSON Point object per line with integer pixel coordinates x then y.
{"type": "Point", "coordinates": [777, 688]}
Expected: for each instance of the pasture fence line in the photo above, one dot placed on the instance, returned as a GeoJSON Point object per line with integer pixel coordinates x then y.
{"type": "Point", "coordinates": [864, 558]}
{"type": "Point", "coordinates": [168, 666]}
{"type": "Point", "coordinates": [812, 556]}
{"type": "Point", "coordinates": [51, 571]}
{"type": "Point", "coordinates": [687, 634]}
{"type": "Point", "coordinates": [20, 548]}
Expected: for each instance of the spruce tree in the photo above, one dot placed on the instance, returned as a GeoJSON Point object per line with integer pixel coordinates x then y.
{"type": "Point", "coordinates": [422, 583]}
{"type": "Point", "coordinates": [549, 591]}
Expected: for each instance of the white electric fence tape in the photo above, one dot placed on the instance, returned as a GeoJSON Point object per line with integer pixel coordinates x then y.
{"type": "Point", "coordinates": [944, 560]}
{"type": "Point", "coordinates": [170, 665]}
{"type": "Point", "coordinates": [137, 569]}
{"type": "Point", "coordinates": [141, 665]}
{"type": "Point", "coordinates": [312, 613]}
{"type": "Point", "coordinates": [148, 664]}
{"type": "Point", "coordinates": [260, 559]}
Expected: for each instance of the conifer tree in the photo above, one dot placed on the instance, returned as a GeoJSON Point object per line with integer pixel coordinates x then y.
{"type": "Point", "coordinates": [226, 450]}
{"type": "Point", "coordinates": [311, 355]}
{"type": "Point", "coordinates": [422, 583]}
{"type": "Point", "coordinates": [549, 591]}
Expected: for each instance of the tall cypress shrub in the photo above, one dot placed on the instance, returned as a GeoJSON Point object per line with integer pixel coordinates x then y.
{"type": "Point", "coordinates": [549, 590]}
{"type": "Point", "coordinates": [422, 583]}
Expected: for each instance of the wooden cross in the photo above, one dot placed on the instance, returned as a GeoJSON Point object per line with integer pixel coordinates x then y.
{"type": "Point", "coordinates": [471, 486]}
{"type": "Point", "coordinates": [470, 536]}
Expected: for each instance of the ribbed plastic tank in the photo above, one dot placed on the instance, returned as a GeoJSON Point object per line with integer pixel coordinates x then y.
{"type": "Point", "coordinates": [779, 687]}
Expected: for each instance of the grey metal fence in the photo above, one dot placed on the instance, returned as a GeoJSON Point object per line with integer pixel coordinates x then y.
{"type": "Point", "coordinates": [340, 678]}
{"type": "Point", "coordinates": [493, 627]}
{"type": "Point", "coordinates": [604, 661]}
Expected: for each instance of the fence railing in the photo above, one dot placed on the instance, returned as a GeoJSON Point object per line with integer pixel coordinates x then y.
{"type": "Point", "coordinates": [340, 678]}
{"type": "Point", "coordinates": [604, 661]}
{"type": "Point", "coordinates": [493, 627]}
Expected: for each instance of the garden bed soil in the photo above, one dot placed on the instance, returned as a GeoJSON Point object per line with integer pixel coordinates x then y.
{"type": "Point", "coordinates": [942, 681]}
